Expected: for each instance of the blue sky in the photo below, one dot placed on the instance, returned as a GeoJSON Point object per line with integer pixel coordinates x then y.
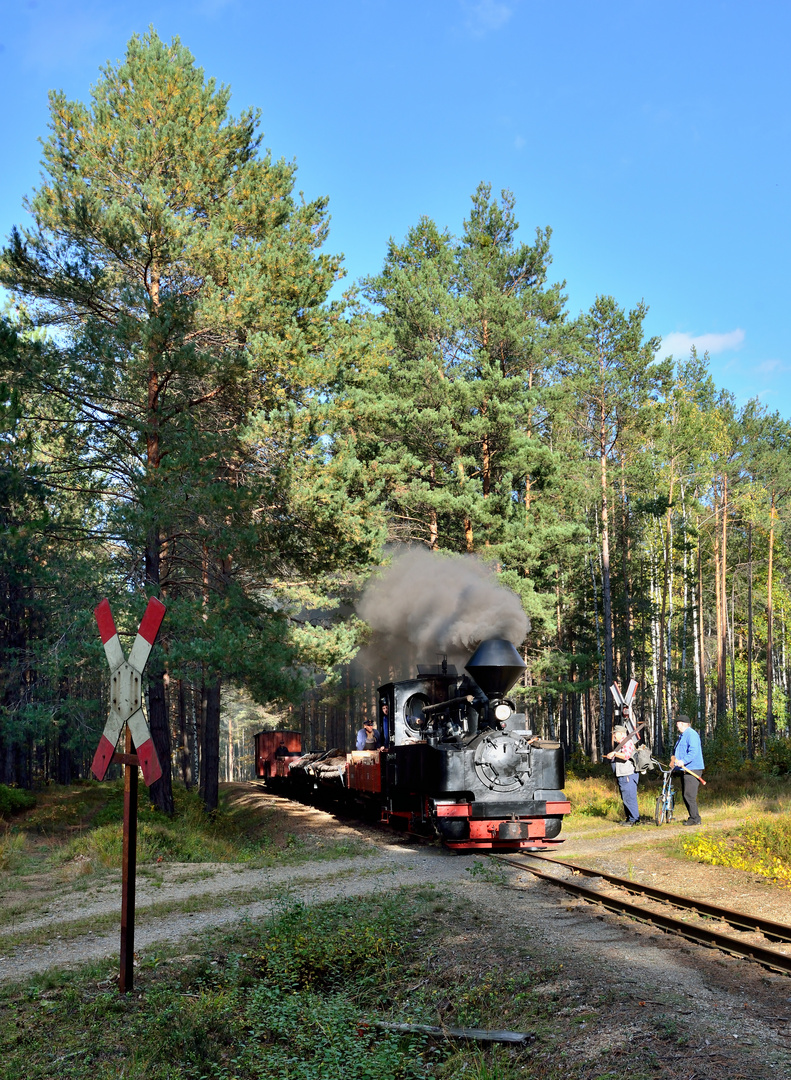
{"type": "Point", "coordinates": [651, 135]}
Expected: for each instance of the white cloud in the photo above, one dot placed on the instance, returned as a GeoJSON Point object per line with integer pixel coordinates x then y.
{"type": "Point", "coordinates": [680, 344]}
{"type": "Point", "coordinates": [773, 367]}
{"type": "Point", "coordinates": [210, 8]}
{"type": "Point", "coordinates": [486, 15]}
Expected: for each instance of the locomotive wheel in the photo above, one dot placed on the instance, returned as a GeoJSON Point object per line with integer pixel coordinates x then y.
{"type": "Point", "coordinates": [659, 813]}
{"type": "Point", "coordinates": [552, 827]}
{"type": "Point", "coordinates": [452, 828]}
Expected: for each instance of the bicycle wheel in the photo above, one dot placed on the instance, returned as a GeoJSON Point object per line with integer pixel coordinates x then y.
{"type": "Point", "coordinates": [659, 812]}
{"type": "Point", "coordinates": [671, 805]}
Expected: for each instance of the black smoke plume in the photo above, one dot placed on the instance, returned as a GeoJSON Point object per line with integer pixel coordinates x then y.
{"type": "Point", "coordinates": [426, 605]}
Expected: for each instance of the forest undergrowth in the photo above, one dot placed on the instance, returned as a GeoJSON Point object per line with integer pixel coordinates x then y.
{"type": "Point", "coordinates": [77, 830]}
{"type": "Point", "coordinates": [760, 845]}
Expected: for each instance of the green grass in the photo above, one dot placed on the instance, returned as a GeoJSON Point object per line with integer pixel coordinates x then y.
{"type": "Point", "coordinates": [760, 843]}
{"type": "Point", "coordinates": [726, 795]}
{"type": "Point", "coordinates": [289, 998]}
{"type": "Point", "coordinates": [79, 830]}
{"type": "Point", "coordinates": [14, 801]}
{"type": "Point", "coordinates": [12, 847]}
{"type": "Point", "coordinates": [292, 998]}
{"type": "Point", "coordinates": [190, 836]}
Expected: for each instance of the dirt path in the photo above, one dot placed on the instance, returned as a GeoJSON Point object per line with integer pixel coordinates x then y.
{"type": "Point", "coordinates": [233, 891]}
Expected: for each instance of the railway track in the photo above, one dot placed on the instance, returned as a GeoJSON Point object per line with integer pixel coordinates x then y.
{"type": "Point", "coordinates": [700, 912]}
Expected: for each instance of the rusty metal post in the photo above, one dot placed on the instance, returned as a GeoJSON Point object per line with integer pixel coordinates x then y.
{"type": "Point", "coordinates": [128, 867]}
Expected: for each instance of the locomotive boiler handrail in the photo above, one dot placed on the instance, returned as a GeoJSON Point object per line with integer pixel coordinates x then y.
{"type": "Point", "coordinates": [451, 701]}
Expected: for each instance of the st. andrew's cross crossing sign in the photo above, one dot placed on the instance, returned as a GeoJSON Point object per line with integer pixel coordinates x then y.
{"type": "Point", "coordinates": [126, 690]}
{"type": "Point", "coordinates": [623, 702]}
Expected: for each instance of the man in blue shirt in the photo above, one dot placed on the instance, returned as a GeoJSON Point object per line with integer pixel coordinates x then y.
{"type": "Point", "coordinates": [368, 737]}
{"type": "Point", "coordinates": [689, 754]}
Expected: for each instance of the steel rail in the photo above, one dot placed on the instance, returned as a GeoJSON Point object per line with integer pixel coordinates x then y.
{"type": "Point", "coordinates": [742, 920]}
{"type": "Point", "coordinates": [777, 961]}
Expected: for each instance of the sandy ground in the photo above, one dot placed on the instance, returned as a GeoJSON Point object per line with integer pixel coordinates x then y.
{"type": "Point", "coordinates": [733, 1017]}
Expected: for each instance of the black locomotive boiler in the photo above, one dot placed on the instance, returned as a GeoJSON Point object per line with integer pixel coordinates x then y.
{"type": "Point", "coordinates": [457, 759]}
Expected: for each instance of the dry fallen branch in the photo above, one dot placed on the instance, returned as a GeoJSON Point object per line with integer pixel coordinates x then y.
{"type": "Point", "coordinates": [478, 1034]}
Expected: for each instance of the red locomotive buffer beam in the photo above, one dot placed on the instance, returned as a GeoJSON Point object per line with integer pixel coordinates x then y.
{"type": "Point", "coordinates": [504, 833]}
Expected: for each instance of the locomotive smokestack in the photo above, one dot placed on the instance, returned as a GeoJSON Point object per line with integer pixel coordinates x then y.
{"type": "Point", "coordinates": [495, 665]}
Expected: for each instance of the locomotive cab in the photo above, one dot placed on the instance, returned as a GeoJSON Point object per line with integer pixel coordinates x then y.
{"type": "Point", "coordinates": [410, 703]}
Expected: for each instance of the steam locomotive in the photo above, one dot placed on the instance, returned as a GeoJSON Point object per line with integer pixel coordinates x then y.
{"type": "Point", "coordinates": [457, 760]}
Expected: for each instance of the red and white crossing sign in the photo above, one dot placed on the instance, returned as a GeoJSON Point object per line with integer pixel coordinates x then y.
{"type": "Point", "coordinates": [126, 690]}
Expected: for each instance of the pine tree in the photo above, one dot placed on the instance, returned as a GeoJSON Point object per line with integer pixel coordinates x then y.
{"type": "Point", "coordinates": [766, 461]}
{"type": "Point", "coordinates": [453, 419]}
{"type": "Point", "coordinates": [189, 283]}
{"type": "Point", "coordinates": [47, 562]}
{"type": "Point", "coordinates": [614, 378]}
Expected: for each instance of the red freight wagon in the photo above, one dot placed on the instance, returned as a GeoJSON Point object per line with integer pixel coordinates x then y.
{"type": "Point", "coordinates": [365, 772]}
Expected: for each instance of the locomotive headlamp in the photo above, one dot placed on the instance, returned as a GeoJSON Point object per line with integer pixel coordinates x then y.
{"type": "Point", "coordinates": [502, 711]}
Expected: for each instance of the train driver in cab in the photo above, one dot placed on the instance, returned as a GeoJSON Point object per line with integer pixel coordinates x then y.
{"type": "Point", "coordinates": [368, 737]}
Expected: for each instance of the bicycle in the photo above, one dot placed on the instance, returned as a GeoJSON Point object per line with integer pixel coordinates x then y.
{"type": "Point", "coordinates": [666, 802]}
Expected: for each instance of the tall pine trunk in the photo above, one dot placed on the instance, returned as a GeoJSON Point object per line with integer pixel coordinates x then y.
{"type": "Point", "coordinates": [161, 792]}
{"type": "Point", "coordinates": [720, 565]}
{"type": "Point", "coordinates": [656, 637]}
{"type": "Point", "coordinates": [210, 749]}
{"type": "Point", "coordinates": [468, 534]}
{"type": "Point", "coordinates": [701, 638]}
{"type": "Point", "coordinates": [184, 751]}
{"type": "Point", "coordinates": [605, 580]}
{"type": "Point", "coordinates": [433, 537]}
{"type": "Point", "coordinates": [626, 566]}
{"type": "Point", "coordinates": [666, 548]}
{"type": "Point", "coordinates": [732, 644]}
{"type": "Point", "coordinates": [750, 640]}
{"type": "Point", "coordinates": [596, 733]}
{"type": "Point", "coordinates": [770, 720]}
